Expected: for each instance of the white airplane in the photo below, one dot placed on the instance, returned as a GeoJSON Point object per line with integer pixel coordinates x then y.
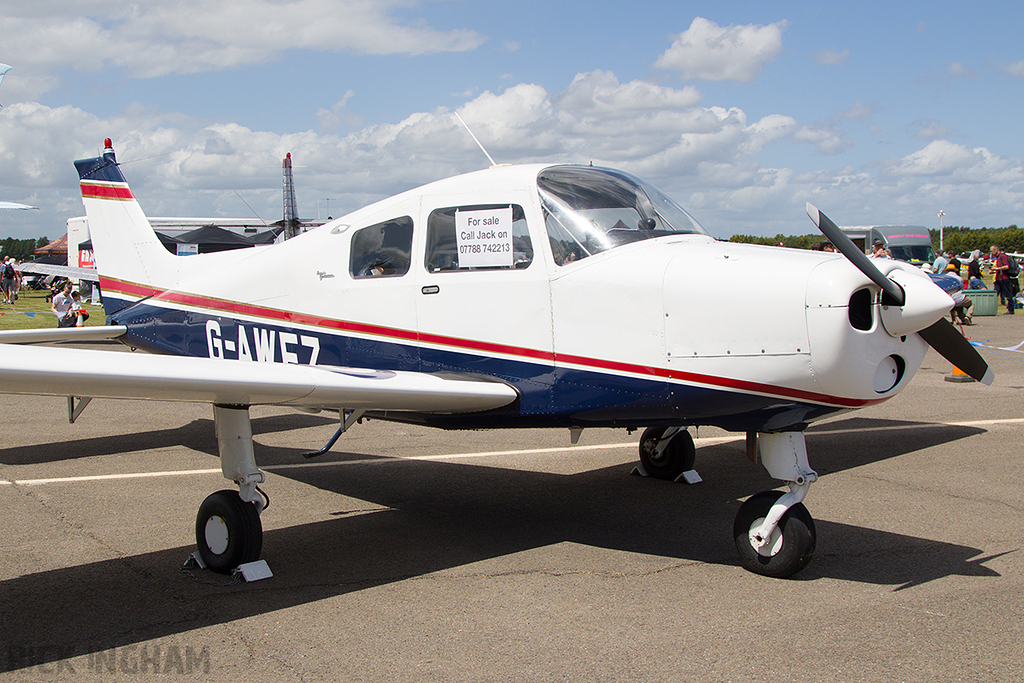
{"type": "Point", "coordinates": [517, 296]}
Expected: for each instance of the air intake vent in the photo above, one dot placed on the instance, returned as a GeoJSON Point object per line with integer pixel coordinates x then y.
{"type": "Point", "coordinates": [860, 310]}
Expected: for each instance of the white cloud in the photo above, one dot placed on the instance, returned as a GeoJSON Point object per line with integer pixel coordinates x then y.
{"type": "Point", "coordinates": [330, 120]}
{"type": "Point", "coordinates": [858, 112]}
{"type": "Point", "coordinates": [832, 57]}
{"type": "Point", "coordinates": [931, 129]}
{"type": "Point", "coordinates": [826, 138]}
{"type": "Point", "coordinates": [708, 157]}
{"type": "Point", "coordinates": [709, 52]}
{"type": "Point", "coordinates": [942, 159]}
{"type": "Point", "coordinates": [958, 70]}
{"type": "Point", "coordinates": [1016, 69]}
{"type": "Point", "coordinates": [189, 36]}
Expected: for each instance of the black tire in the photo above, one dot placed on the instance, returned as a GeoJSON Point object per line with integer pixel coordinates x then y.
{"type": "Point", "coordinates": [678, 456]}
{"type": "Point", "coordinates": [240, 540]}
{"type": "Point", "coordinates": [797, 530]}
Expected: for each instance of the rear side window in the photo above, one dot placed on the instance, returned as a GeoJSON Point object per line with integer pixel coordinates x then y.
{"type": "Point", "coordinates": [382, 250]}
{"type": "Point", "coordinates": [478, 237]}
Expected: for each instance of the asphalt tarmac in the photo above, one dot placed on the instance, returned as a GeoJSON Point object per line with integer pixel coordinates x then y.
{"type": "Point", "coordinates": [409, 554]}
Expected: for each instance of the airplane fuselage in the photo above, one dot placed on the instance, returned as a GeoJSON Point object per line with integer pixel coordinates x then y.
{"type": "Point", "coordinates": [675, 329]}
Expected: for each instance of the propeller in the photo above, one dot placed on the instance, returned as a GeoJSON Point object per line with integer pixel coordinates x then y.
{"type": "Point", "coordinates": [940, 335]}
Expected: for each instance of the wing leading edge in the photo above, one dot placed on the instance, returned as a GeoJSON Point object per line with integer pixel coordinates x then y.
{"type": "Point", "coordinates": [52, 371]}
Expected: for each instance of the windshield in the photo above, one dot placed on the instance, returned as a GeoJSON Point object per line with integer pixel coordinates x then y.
{"type": "Point", "coordinates": [589, 210]}
{"type": "Point", "coordinates": [914, 253]}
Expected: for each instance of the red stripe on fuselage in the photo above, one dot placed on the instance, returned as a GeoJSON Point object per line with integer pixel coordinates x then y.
{"type": "Point", "coordinates": [226, 306]}
{"type": "Point", "coordinates": [116, 192]}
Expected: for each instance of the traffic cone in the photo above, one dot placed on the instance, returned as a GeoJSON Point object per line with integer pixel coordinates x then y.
{"type": "Point", "coordinates": [959, 376]}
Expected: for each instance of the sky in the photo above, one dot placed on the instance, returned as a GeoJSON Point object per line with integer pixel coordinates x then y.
{"type": "Point", "coordinates": [877, 113]}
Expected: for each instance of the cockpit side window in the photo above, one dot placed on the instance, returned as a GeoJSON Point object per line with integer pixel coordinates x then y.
{"type": "Point", "coordinates": [589, 210]}
{"type": "Point", "coordinates": [478, 237]}
{"type": "Point", "coordinates": [382, 250]}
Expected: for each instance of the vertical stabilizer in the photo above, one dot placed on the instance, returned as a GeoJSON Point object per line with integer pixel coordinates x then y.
{"type": "Point", "coordinates": [126, 250]}
{"type": "Point", "coordinates": [291, 221]}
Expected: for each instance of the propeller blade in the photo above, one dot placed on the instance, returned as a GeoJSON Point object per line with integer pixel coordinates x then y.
{"type": "Point", "coordinates": [857, 257]}
{"type": "Point", "coordinates": [952, 345]}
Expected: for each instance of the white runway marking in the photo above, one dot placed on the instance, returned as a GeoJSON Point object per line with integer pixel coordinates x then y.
{"type": "Point", "coordinates": [387, 460]}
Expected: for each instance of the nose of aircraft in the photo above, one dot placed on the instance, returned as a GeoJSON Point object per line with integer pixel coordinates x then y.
{"type": "Point", "coordinates": [923, 303]}
{"type": "Point", "coordinates": [904, 313]}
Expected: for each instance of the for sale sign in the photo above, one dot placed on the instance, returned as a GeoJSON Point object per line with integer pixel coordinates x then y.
{"type": "Point", "coordinates": [484, 237]}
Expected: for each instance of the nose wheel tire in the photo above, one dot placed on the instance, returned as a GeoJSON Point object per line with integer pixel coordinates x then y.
{"type": "Point", "coordinates": [790, 546]}
{"type": "Point", "coordinates": [677, 457]}
{"type": "Point", "coordinates": [228, 531]}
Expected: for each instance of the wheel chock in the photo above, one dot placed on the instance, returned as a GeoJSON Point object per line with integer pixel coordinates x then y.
{"type": "Point", "coordinates": [253, 571]}
{"type": "Point", "coordinates": [194, 560]}
{"type": "Point", "coordinates": [689, 477]}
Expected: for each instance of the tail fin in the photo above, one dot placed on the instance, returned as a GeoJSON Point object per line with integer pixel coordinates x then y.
{"type": "Point", "coordinates": [129, 257]}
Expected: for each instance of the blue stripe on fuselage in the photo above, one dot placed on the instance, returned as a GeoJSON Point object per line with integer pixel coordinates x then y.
{"type": "Point", "coordinates": [550, 396]}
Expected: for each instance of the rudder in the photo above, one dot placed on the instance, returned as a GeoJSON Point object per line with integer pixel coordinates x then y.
{"type": "Point", "coordinates": [131, 261]}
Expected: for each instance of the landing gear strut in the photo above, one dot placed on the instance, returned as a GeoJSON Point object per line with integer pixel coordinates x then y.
{"type": "Point", "coordinates": [228, 528]}
{"type": "Point", "coordinates": [774, 532]}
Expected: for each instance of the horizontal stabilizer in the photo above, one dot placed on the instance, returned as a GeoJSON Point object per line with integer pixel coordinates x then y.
{"type": "Point", "coordinates": [70, 272]}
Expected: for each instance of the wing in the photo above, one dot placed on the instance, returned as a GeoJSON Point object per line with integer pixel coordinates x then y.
{"type": "Point", "coordinates": [113, 374]}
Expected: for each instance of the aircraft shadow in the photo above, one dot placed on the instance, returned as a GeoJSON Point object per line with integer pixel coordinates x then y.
{"type": "Point", "coordinates": [442, 516]}
{"type": "Point", "coordinates": [197, 435]}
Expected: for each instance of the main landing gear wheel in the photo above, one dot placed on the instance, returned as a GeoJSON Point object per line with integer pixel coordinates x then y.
{"type": "Point", "coordinates": [675, 458]}
{"type": "Point", "coordinates": [228, 531]}
{"type": "Point", "coordinates": [791, 544]}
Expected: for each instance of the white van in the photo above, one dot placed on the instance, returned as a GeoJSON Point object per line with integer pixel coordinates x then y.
{"type": "Point", "coordinates": [909, 243]}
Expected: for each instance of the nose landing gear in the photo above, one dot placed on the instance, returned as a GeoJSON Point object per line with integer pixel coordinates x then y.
{"type": "Point", "coordinates": [789, 546]}
{"type": "Point", "coordinates": [774, 532]}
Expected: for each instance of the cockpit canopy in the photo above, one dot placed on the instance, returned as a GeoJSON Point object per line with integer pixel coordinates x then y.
{"type": "Point", "coordinates": [589, 210]}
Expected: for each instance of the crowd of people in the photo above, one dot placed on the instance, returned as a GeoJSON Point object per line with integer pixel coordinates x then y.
{"type": "Point", "coordinates": [65, 300]}
{"type": "Point", "coordinates": [947, 264]}
{"type": "Point", "coordinates": [1004, 268]}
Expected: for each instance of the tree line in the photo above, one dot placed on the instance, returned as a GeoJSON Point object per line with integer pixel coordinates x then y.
{"type": "Point", "coordinates": [961, 239]}
{"type": "Point", "coordinates": [958, 238]}
{"type": "Point", "coordinates": [21, 250]}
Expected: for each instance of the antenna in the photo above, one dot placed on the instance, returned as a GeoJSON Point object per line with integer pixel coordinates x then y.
{"type": "Point", "coordinates": [474, 138]}
{"type": "Point", "coordinates": [250, 208]}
